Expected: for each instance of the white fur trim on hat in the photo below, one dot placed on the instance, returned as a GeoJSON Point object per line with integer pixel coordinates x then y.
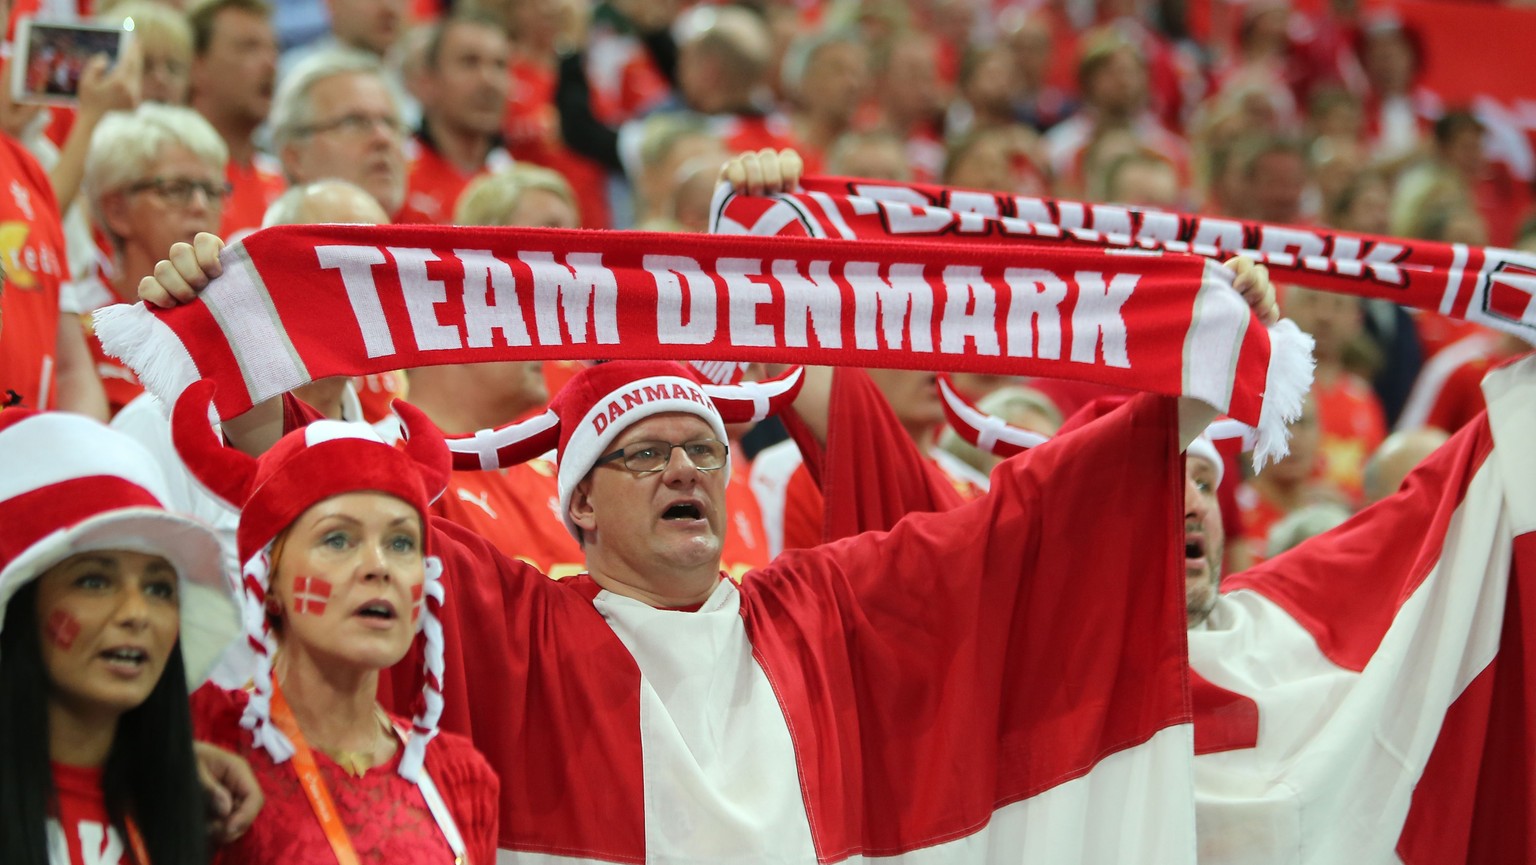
{"type": "Point", "coordinates": [620, 409]}
{"type": "Point", "coordinates": [1203, 448]}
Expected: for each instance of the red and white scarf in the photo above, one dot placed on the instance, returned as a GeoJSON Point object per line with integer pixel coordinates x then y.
{"type": "Point", "coordinates": [300, 303]}
{"type": "Point", "coordinates": [1487, 285]}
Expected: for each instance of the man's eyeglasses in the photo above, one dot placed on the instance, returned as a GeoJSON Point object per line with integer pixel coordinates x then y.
{"type": "Point", "coordinates": [179, 190]}
{"type": "Point", "coordinates": [355, 125]}
{"type": "Point", "coordinates": [644, 458]}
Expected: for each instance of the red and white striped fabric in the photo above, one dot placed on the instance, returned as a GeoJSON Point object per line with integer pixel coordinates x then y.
{"type": "Point", "coordinates": [1388, 661]}
{"type": "Point", "coordinates": [962, 689]}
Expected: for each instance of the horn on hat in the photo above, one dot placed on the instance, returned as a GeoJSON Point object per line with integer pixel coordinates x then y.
{"type": "Point", "coordinates": [753, 401]}
{"type": "Point", "coordinates": [224, 471]}
{"type": "Point", "coordinates": [503, 446]}
{"type": "Point", "coordinates": [424, 443]}
{"type": "Point", "coordinates": [988, 433]}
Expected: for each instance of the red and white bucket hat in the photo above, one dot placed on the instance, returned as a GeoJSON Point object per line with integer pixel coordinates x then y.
{"type": "Point", "coordinates": [70, 485]}
{"type": "Point", "coordinates": [602, 401]}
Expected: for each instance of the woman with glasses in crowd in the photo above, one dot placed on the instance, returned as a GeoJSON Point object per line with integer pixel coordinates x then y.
{"type": "Point", "coordinates": [153, 176]}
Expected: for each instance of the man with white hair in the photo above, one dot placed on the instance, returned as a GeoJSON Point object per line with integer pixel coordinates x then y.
{"type": "Point", "coordinates": [335, 116]}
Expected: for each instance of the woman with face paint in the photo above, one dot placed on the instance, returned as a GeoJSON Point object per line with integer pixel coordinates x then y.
{"type": "Point", "coordinates": [107, 600]}
{"type": "Point", "coordinates": [338, 583]}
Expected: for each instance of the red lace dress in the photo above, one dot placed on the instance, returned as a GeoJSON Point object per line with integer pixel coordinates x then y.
{"type": "Point", "coordinates": [384, 814]}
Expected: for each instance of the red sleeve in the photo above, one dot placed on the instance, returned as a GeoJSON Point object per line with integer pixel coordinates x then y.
{"type": "Point", "coordinates": [1460, 399]}
{"type": "Point", "coordinates": [869, 467]}
{"type": "Point", "coordinates": [471, 790]}
{"type": "Point", "coordinates": [802, 510]}
{"type": "Point", "coordinates": [216, 715]}
{"type": "Point", "coordinates": [872, 469]}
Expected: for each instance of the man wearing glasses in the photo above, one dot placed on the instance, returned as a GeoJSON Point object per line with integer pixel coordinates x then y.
{"type": "Point", "coordinates": [336, 118]}
{"type": "Point", "coordinates": [153, 176]}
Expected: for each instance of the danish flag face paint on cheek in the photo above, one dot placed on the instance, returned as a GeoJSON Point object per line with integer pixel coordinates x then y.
{"type": "Point", "coordinates": [415, 603]}
{"type": "Point", "coordinates": [310, 595]}
{"type": "Point", "coordinates": [63, 628]}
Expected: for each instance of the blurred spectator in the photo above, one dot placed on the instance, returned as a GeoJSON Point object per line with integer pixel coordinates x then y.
{"type": "Point", "coordinates": [1457, 171]}
{"type": "Point", "coordinates": [165, 40]}
{"type": "Point", "coordinates": [723, 54]}
{"type": "Point", "coordinates": [1306, 522]}
{"type": "Point", "coordinates": [335, 117]}
{"type": "Point", "coordinates": [910, 100]}
{"type": "Point", "coordinates": [234, 70]}
{"type": "Point", "coordinates": [997, 158]}
{"type": "Point", "coordinates": [463, 86]}
{"type": "Point", "coordinates": [1397, 456]}
{"type": "Point", "coordinates": [526, 195]}
{"type": "Point", "coordinates": [153, 177]}
{"type": "Point", "coordinates": [1398, 111]}
{"type": "Point", "coordinates": [1350, 419]}
{"type": "Point", "coordinates": [826, 78]}
{"type": "Point", "coordinates": [1448, 393]}
{"type": "Point", "coordinates": [1362, 206]}
{"type": "Point", "coordinates": [1112, 80]}
{"type": "Point", "coordinates": [1282, 487]}
{"type": "Point", "coordinates": [986, 92]}
{"type": "Point", "coordinates": [1038, 102]}
{"type": "Point", "coordinates": [672, 146]}
{"type": "Point", "coordinates": [1336, 113]}
{"type": "Point", "coordinates": [554, 117]}
{"type": "Point", "coordinates": [1274, 172]}
{"type": "Point", "coordinates": [875, 155]}
{"type": "Point", "coordinates": [370, 26]}
{"type": "Point", "coordinates": [44, 361]}
{"type": "Point", "coordinates": [1142, 179]}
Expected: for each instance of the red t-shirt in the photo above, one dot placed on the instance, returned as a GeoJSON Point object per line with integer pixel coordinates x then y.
{"type": "Point", "coordinates": [82, 819]}
{"type": "Point", "coordinates": [518, 511]}
{"type": "Point", "coordinates": [1352, 425]}
{"type": "Point", "coordinates": [745, 546]}
{"type": "Point", "coordinates": [1259, 516]}
{"type": "Point", "coordinates": [376, 392]}
{"type": "Point", "coordinates": [32, 258]}
{"type": "Point", "coordinates": [253, 188]}
{"type": "Point", "coordinates": [532, 132]}
{"type": "Point", "coordinates": [385, 815]}
{"type": "Point", "coordinates": [434, 184]}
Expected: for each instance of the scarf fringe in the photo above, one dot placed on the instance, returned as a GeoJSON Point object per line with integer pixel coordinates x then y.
{"type": "Point", "coordinates": [134, 335]}
{"type": "Point", "coordinates": [1286, 384]}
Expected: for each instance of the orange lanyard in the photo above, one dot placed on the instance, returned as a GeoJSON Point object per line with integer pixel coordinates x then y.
{"type": "Point", "coordinates": [320, 796]}
{"type": "Point", "coordinates": [136, 841]}
{"type": "Point", "coordinates": [309, 778]}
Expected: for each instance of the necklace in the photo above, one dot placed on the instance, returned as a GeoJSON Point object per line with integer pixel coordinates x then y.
{"type": "Point", "coordinates": [357, 762]}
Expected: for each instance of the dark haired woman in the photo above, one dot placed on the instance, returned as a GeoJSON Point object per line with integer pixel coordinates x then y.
{"type": "Point", "coordinates": [98, 587]}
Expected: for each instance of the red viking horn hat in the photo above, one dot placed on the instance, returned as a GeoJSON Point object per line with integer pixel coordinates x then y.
{"type": "Point", "coordinates": [988, 433]}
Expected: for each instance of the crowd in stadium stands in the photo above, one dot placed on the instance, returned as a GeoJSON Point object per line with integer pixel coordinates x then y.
{"type": "Point", "coordinates": [230, 115]}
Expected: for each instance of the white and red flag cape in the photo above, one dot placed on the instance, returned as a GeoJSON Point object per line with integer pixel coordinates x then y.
{"type": "Point", "coordinates": [1378, 677]}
